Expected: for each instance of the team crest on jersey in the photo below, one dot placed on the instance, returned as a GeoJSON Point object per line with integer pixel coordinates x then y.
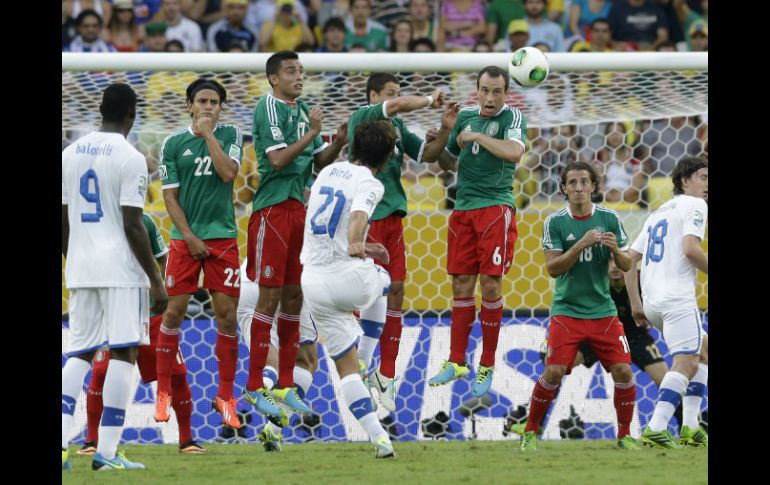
{"type": "Point", "coordinates": [235, 152]}
{"type": "Point", "coordinates": [170, 281]}
{"type": "Point", "coordinates": [600, 229]}
{"type": "Point", "coordinates": [493, 128]}
{"type": "Point", "coordinates": [268, 272]}
{"type": "Point", "coordinates": [697, 219]}
{"type": "Point", "coordinates": [277, 134]}
{"type": "Point", "coordinates": [162, 172]}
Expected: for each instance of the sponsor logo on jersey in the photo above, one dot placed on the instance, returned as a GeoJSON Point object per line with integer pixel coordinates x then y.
{"type": "Point", "coordinates": [697, 219]}
{"type": "Point", "coordinates": [268, 272]}
{"type": "Point", "coordinates": [187, 153]}
{"type": "Point", "coordinates": [170, 281]}
{"type": "Point", "coordinates": [493, 128]}
{"type": "Point", "coordinates": [571, 237]}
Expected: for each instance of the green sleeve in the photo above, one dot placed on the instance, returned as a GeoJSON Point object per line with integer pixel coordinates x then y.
{"type": "Point", "coordinates": [517, 130]}
{"type": "Point", "coordinates": [267, 129]}
{"type": "Point", "coordinates": [451, 145]}
{"type": "Point", "coordinates": [551, 239]}
{"type": "Point", "coordinates": [232, 143]}
{"type": "Point", "coordinates": [156, 239]}
{"type": "Point", "coordinates": [620, 232]}
{"type": "Point", "coordinates": [167, 169]}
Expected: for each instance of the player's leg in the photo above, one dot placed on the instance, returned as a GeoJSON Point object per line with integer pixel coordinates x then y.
{"type": "Point", "coordinates": [646, 355]}
{"type": "Point", "coordinates": [94, 403]}
{"type": "Point", "coordinates": [691, 432]}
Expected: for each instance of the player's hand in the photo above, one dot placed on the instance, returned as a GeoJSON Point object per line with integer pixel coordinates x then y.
{"type": "Point", "coordinates": [591, 238]}
{"type": "Point", "coordinates": [316, 119]}
{"type": "Point", "coordinates": [449, 116]}
{"type": "Point", "coordinates": [357, 250]}
{"type": "Point", "coordinates": [342, 134]}
{"type": "Point", "coordinates": [467, 137]}
{"type": "Point", "coordinates": [431, 135]}
{"type": "Point", "coordinates": [159, 299]}
{"type": "Point", "coordinates": [377, 251]}
{"type": "Point", "coordinates": [205, 125]}
{"type": "Point", "coordinates": [609, 240]}
{"type": "Point", "coordinates": [438, 98]}
{"type": "Point", "coordinates": [198, 248]}
{"type": "Point", "coordinates": [640, 318]}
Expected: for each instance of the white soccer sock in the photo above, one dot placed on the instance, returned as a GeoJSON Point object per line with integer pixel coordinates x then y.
{"type": "Point", "coordinates": [672, 388]}
{"type": "Point", "coordinates": [303, 379]}
{"type": "Point", "coordinates": [72, 376]}
{"type": "Point", "coordinates": [269, 376]}
{"type": "Point", "coordinates": [366, 348]}
{"type": "Point", "coordinates": [115, 396]}
{"type": "Point", "coordinates": [692, 400]}
{"type": "Point", "coordinates": [359, 402]}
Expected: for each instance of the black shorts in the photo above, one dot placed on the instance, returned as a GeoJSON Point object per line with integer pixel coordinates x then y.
{"type": "Point", "coordinates": [643, 351]}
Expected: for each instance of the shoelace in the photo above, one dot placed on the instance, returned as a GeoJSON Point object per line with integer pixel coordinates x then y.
{"type": "Point", "coordinates": [482, 375]}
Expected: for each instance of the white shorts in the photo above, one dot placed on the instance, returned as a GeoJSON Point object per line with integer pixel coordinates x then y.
{"type": "Point", "coordinates": [247, 302]}
{"type": "Point", "coordinates": [332, 294]}
{"type": "Point", "coordinates": [682, 328]}
{"type": "Point", "coordinates": [116, 317]}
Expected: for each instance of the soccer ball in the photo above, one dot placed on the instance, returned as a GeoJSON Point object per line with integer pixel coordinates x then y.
{"type": "Point", "coordinates": [528, 67]}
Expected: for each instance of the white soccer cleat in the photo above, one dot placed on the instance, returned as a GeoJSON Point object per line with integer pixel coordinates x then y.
{"type": "Point", "coordinates": [386, 388]}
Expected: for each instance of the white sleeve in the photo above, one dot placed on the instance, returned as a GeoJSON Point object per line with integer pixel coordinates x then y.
{"type": "Point", "coordinates": [64, 198]}
{"type": "Point", "coordinates": [133, 181]}
{"type": "Point", "coordinates": [368, 194]}
{"type": "Point", "coordinates": [694, 217]}
{"type": "Point", "coordinates": [638, 244]}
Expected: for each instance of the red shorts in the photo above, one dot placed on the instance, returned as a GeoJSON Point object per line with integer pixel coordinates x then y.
{"type": "Point", "coordinates": [605, 336]}
{"type": "Point", "coordinates": [221, 270]}
{"type": "Point", "coordinates": [480, 241]}
{"type": "Point", "coordinates": [275, 241]}
{"type": "Point", "coordinates": [390, 233]}
{"type": "Point", "coordinates": [146, 358]}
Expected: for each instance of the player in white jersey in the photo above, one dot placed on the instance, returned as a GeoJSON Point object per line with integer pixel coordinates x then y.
{"type": "Point", "coordinates": [669, 248]}
{"type": "Point", "coordinates": [307, 357]}
{"type": "Point", "coordinates": [108, 269]}
{"type": "Point", "coordinates": [339, 274]}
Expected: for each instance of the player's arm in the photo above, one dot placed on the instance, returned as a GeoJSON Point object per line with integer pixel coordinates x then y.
{"type": "Point", "coordinates": [508, 150]}
{"type": "Point", "coordinates": [198, 248]}
{"type": "Point", "coordinates": [632, 288]}
{"type": "Point", "coordinates": [281, 157]}
{"type": "Point", "coordinates": [329, 152]}
{"type": "Point", "coordinates": [139, 241]}
{"type": "Point", "coordinates": [617, 242]}
{"type": "Point", "coordinates": [694, 253]}
{"type": "Point", "coordinates": [435, 148]}
{"type": "Point", "coordinates": [694, 230]}
{"type": "Point", "coordinates": [368, 194]}
{"type": "Point", "coordinates": [65, 230]}
{"type": "Point", "coordinates": [162, 261]}
{"type": "Point", "coordinates": [405, 104]}
{"type": "Point", "coordinates": [447, 161]}
{"type": "Point", "coordinates": [558, 262]}
{"type": "Point", "coordinates": [356, 230]}
{"type": "Point", "coordinates": [226, 167]}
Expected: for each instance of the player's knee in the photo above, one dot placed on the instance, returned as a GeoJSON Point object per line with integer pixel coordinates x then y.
{"type": "Point", "coordinates": [622, 373]}
{"type": "Point", "coordinates": [396, 291]}
{"type": "Point", "coordinates": [307, 360]}
{"type": "Point", "coordinates": [126, 354]}
{"type": "Point", "coordinates": [463, 285]}
{"type": "Point", "coordinates": [553, 374]}
{"type": "Point", "coordinates": [173, 316]}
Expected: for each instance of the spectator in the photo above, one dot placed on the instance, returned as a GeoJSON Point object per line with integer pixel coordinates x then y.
{"type": "Point", "coordinates": [222, 33]}
{"type": "Point", "coordinates": [518, 35]}
{"type": "Point", "coordinates": [422, 44]}
{"type": "Point", "coordinates": [582, 14]}
{"type": "Point", "coordinates": [638, 25]}
{"type": "Point", "coordinates": [287, 31]}
{"type": "Point", "coordinates": [699, 36]}
{"type": "Point", "coordinates": [422, 20]}
{"type": "Point", "coordinates": [179, 27]}
{"type": "Point", "coordinates": [154, 37]}
{"type": "Point", "coordinates": [541, 29]}
{"type": "Point", "coordinates": [102, 8]}
{"type": "Point", "coordinates": [621, 177]}
{"type": "Point", "coordinates": [482, 46]}
{"type": "Point", "coordinates": [122, 30]}
{"type": "Point", "coordinates": [333, 36]}
{"type": "Point", "coordinates": [362, 30]}
{"type": "Point", "coordinates": [542, 47]}
{"type": "Point", "coordinates": [461, 25]}
{"type": "Point", "coordinates": [263, 11]}
{"type": "Point", "coordinates": [686, 17]}
{"type": "Point", "coordinates": [333, 8]}
{"type": "Point", "coordinates": [146, 10]}
{"type": "Point", "coordinates": [555, 11]}
{"type": "Point", "coordinates": [500, 13]}
{"type": "Point", "coordinates": [68, 31]}
{"type": "Point", "coordinates": [601, 38]}
{"type": "Point", "coordinates": [664, 142]}
{"type": "Point", "coordinates": [88, 25]}
{"type": "Point", "coordinates": [203, 12]}
{"type": "Point", "coordinates": [401, 36]}
{"type": "Point", "coordinates": [667, 46]}
{"type": "Point", "coordinates": [174, 46]}
{"type": "Point", "coordinates": [389, 12]}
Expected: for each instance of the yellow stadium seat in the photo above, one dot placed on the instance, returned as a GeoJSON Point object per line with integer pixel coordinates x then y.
{"type": "Point", "coordinates": [659, 190]}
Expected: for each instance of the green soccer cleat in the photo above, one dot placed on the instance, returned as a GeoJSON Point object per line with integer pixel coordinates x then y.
{"type": "Point", "coordinates": [263, 401]}
{"type": "Point", "coordinates": [120, 462]}
{"type": "Point", "coordinates": [290, 397]}
{"type": "Point", "coordinates": [66, 464]}
{"type": "Point", "coordinates": [270, 439]}
{"type": "Point", "coordinates": [693, 437]}
{"type": "Point", "coordinates": [483, 381]}
{"type": "Point", "coordinates": [628, 443]}
{"type": "Point", "coordinates": [659, 439]}
{"type": "Point", "coordinates": [384, 448]}
{"type": "Point", "coordinates": [449, 372]}
{"type": "Point", "coordinates": [518, 428]}
{"type": "Point", "coordinates": [529, 441]}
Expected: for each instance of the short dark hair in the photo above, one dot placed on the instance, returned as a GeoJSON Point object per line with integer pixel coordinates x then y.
{"type": "Point", "coordinates": [684, 169]}
{"type": "Point", "coordinates": [273, 64]}
{"type": "Point", "coordinates": [88, 13]}
{"type": "Point", "coordinates": [118, 102]}
{"type": "Point", "coordinates": [494, 71]}
{"type": "Point", "coordinates": [601, 20]}
{"type": "Point", "coordinates": [373, 143]}
{"type": "Point", "coordinates": [335, 23]}
{"type": "Point", "coordinates": [377, 82]}
{"type": "Point", "coordinates": [422, 41]}
{"type": "Point", "coordinates": [354, 1]}
{"type": "Point", "coordinates": [205, 83]}
{"type": "Point", "coordinates": [574, 166]}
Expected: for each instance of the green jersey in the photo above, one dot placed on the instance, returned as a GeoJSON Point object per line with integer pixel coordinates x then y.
{"type": "Point", "coordinates": [375, 38]}
{"type": "Point", "coordinates": [156, 242]}
{"type": "Point", "coordinates": [483, 180]}
{"type": "Point", "coordinates": [278, 124]}
{"type": "Point", "coordinates": [207, 201]}
{"type": "Point", "coordinates": [584, 290]}
{"type": "Point", "coordinates": [394, 200]}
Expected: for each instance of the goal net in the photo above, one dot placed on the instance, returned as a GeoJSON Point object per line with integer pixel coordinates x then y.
{"type": "Point", "coordinates": [631, 115]}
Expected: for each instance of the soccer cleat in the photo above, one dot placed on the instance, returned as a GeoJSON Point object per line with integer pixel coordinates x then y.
{"type": "Point", "coordinates": [386, 388]}
{"type": "Point", "coordinates": [289, 396]}
{"type": "Point", "coordinates": [263, 401]}
{"type": "Point", "coordinates": [384, 448]}
{"type": "Point", "coordinates": [271, 440]}
{"type": "Point", "coordinates": [162, 407]}
{"type": "Point", "coordinates": [227, 410]}
{"type": "Point", "coordinates": [66, 464]}
{"type": "Point", "coordinates": [120, 462]}
{"type": "Point", "coordinates": [483, 381]}
{"type": "Point", "coordinates": [628, 443]}
{"type": "Point", "coordinates": [659, 439]}
{"type": "Point", "coordinates": [518, 428]}
{"type": "Point", "coordinates": [191, 448]}
{"type": "Point", "coordinates": [529, 441]}
{"type": "Point", "coordinates": [693, 437]}
{"type": "Point", "coordinates": [89, 448]}
{"type": "Point", "coordinates": [449, 372]}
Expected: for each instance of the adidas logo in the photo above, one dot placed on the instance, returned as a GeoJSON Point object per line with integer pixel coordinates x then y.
{"type": "Point", "coordinates": [571, 237]}
{"type": "Point", "coordinates": [187, 153]}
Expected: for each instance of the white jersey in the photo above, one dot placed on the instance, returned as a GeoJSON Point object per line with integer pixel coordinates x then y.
{"type": "Point", "coordinates": [100, 173]}
{"type": "Point", "coordinates": [668, 277]}
{"type": "Point", "coordinates": [340, 189]}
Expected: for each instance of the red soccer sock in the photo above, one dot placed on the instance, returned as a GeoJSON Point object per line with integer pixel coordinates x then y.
{"type": "Point", "coordinates": [542, 395]}
{"type": "Point", "coordinates": [165, 356]}
{"type": "Point", "coordinates": [463, 316]}
{"type": "Point", "coordinates": [227, 360]}
{"type": "Point", "coordinates": [625, 398]}
{"type": "Point", "coordinates": [94, 404]}
{"type": "Point", "coordinates": [390, 339]}
{"type": "Point", "coordinates": [181, 401]}
{"type": "Point", "coordinates": [288, 342]}
{"type": "Point", "coordinates": [491, 315]}
{"type": "Point", "coordinates": [260, 346]}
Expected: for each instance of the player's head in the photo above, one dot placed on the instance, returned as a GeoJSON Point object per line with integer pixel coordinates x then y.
{"type": "Point", "coordinates": [382, 86]}
{"type": "Point", "coordinates": [204, 98]}
{"type": "Point", "coordinates": [579, 182]}
{"type": "Point", "coordinates": [285, 74]}
{"type": "Point", "coordinates": [373, 143]}
{"type": "Point", "coordinates": [492, 85]}
{"type": "Point", "coordinates": [118, 106]}
{"type": "Point", "coordinates": [691, 177]}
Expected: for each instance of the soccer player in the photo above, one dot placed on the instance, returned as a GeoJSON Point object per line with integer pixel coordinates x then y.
{"type": "Point", "coordinates": [382, 94]}
{"type": "Point", "coordinates": [489, 140]}
{"type": "Point", "coordinates": [669, 248]}
{"type": "Point", "coordinates": [578, 241]}
{"type": "Point", "coordinates": [181, 395]}
{"type": "Point", "coordinates": [287, 139]}
{"type": "Point", "coordinates": [339, 274]}
{"type": "Point", "coordinates": [197, 168]}
{"type": "Point", "coordinates": [108, 269]}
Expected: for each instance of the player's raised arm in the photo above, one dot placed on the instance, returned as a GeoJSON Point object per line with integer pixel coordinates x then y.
{"type": "Point", "coordinates": [435, 146]}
